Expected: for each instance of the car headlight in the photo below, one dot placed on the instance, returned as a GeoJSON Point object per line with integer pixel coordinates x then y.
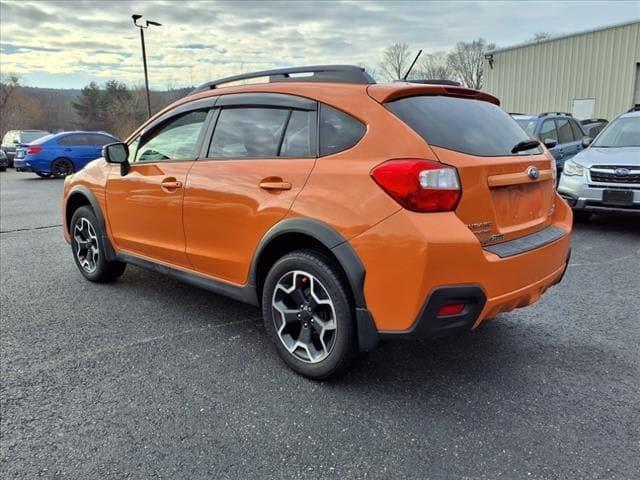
{"type": "Point", "coordinates": [573, 169]}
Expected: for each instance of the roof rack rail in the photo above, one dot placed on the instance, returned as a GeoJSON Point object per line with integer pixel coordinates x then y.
{"type": "Point", "coordinates": [593, 120]}
{"type": "Point", "coordinates": [635, 108]}
{"type": "Point", "coordinates": [319, 73]}
{"type": "Point", "coordinates": [555, 113]}
{"type": "Point", "coordinates": [433, 81]}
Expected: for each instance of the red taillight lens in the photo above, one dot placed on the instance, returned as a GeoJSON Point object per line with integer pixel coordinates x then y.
{"type": "Point", "coordinates": [420, 185]}
{"type": "Point", "coordinates": [453, 309]}
{"type": "Point", "coordinates": [34, 149]}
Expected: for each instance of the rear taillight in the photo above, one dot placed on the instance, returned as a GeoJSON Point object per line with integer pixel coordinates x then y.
{"type": "Point", "coordinates": [34, 149]}
{"type": "Point", "coordinates": [420, 185]}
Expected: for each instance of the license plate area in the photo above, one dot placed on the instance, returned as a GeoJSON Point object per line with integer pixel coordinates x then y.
{"type": "Point", "coordinates": [619, 198]}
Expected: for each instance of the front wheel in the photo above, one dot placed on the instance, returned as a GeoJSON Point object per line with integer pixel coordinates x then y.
{"type": "Point", "coordinates": [308, 315]}
{"type": "Point", "coordinates": [88, 247]}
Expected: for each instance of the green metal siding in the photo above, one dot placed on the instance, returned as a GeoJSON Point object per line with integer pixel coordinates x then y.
{"type": "Point", "coordinates": [548, 76]}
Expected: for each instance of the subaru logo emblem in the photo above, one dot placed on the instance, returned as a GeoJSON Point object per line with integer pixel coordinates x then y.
{"type": "Point", "coordinates": [622, 172]}
{"type": "Point", "coordinates": [533, 173]}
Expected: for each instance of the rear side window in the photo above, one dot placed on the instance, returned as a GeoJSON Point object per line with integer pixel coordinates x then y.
{"type": "Point", "coordinates": [248, 133]}
{"type": "Point", "coordinates": [565, 134]}
{"type": "Point", "coordinates": [577, 133]}
{"type": "Point", "coordinates": [469, 126]}
{"type": "Point", "coordinates": [338, 131]}
{"type": "Point", "coordinates": [548, 131]}
{"type": "Point", "coordinates": [74, 140]}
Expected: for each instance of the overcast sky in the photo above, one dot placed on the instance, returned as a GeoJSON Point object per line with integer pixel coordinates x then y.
{"type": "Point", "coordinates": [66, 44]}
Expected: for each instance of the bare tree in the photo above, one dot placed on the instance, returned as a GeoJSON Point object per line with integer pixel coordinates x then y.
{"type": "Point", "coordinates": [395, 61]}
{"type": "Point", "coordinates": [434, 66]}
{"type": "Point", "coordinates": [540, 36]}
{"type": "Point", "coordinates": [467, 61]}
{"type": "Point", "coordinates": [8, 85]}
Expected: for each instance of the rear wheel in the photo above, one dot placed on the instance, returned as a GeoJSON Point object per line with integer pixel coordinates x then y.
{"type": "Point", "coordinates": [62, 167]}
{"type": "Point", "coordinates": [87, 245]}
{"type": "Point", "coordinates": [308, 315]}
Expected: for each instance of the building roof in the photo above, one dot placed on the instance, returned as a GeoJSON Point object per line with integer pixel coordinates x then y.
{"type": "Point", "coordinates": [561, 37]}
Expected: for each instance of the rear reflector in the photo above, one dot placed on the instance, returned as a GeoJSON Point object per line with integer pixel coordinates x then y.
{"type": "Point", "coordinates": [420, 185]}
{"type": "Point", "coordinates": [453, 309]}
{"type": "Point", "coordinates": [34, 149]}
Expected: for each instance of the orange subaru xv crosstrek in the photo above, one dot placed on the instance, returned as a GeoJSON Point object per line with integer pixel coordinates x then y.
{"type": "Point", "coordinates": [348, 211]}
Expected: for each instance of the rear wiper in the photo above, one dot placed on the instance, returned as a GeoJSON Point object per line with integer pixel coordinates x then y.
{"type": "Point", "coordinates": [525, 145]}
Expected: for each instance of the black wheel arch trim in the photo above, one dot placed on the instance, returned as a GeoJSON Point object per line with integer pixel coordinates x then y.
{"type": "Point", "coordinates": [327, 236]}
{"type": "Point", "coordinates": [110, 254]}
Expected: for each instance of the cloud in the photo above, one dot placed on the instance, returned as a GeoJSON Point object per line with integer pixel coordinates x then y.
{"type": "Point", "coordinates": [201, 40]}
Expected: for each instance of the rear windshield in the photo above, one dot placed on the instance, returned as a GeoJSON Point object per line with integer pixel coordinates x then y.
{"type": "Point", "coordinates": [469, 126]}
{"type": "Point", "coordinates": [28, 137]}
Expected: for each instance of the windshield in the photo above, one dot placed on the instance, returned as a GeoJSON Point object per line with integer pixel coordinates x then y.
{"type": "Point", "coordinates": [528, 126]}
{"type": "Point", "coordinates": [469, 126]}
{"type": "Point", "coordinates": [623, 132]}
{"type": "Point", "coordinates": [28, 137]}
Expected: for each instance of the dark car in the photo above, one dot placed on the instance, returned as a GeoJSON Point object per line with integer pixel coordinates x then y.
{"type": "Point", "coordinates": [4, 161]}
{"type": "Point", "coordinates": [61, 154]}
{"type": "Point", "coordinates": [558, 127]}
{"type": "Point", "coordinates": [19, 138]}
{"type": "Point", "coordinates": [593, 126]}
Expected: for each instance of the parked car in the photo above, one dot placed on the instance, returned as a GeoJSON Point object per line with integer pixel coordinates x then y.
{"type": "Point", "coordinates": [606, 176]}
{"type": "Point", "coordinates": [14, 139]}
{"type": "Point", "coordinates": [4, 161]}
{"type": "Point", "coordinates": [593, 126]}
{"type": "Point", "coordinates": [61, 154]}
{"type": "Point", "coordinates": [559, 131]}
{"type": "Point", "coordinates": [348, 211]}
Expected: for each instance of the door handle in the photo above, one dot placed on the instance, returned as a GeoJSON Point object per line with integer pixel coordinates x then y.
{"type": "Point", "coordinates": [275, 184]}
{"type": "Point", "coordinates": [170, 184]}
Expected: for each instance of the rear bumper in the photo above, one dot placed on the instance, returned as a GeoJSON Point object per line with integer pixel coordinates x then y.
{"type": "Point", "coordinates": [21, 165]}
{"type": "Point", "coordinates": [411, 257]}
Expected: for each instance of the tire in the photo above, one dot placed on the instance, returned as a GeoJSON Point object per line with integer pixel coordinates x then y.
{"type": "Point", "coordinates": [87, 245]}
{"type": "Point", "coordinates": [307, 342]}
{"type": "Point", "coordinates": [62, 167]}
{"type": "Point", "coordinates": [42, 175]}
{"type": "Point", "coordinates": [581, 216]}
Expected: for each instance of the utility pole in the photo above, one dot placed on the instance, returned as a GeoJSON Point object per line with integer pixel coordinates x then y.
{"type": "Point", "coordinates": [142, 28]}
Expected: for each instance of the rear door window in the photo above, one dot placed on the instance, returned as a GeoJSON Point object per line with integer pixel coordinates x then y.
{"type": "Point", "coordinates": [299, 138]}
{"type": "Point", "coordinates": [565, 134]}
{"type": "Point", "coordinates": [73, 140]}
{"type": "Point", "coordinates": [99, 140]}
{"type": "Point", "coordinates": [474, 127]}
{"type": "Point", "coordinates": [548, 131]}
{"type": "Point", "coordinates": [248, 133]}
{"type": "Point", "coordinates": [338, 130]}
{"type": "Point", "coordinates": [577, 133]}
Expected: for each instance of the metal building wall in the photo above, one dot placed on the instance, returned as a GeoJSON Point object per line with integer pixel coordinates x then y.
{"type": "Point", "coordinates": [547, 76]}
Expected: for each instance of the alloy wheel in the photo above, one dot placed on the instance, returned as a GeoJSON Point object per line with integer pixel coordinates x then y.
{"type": "Point", "coordinates": [62, 168]}
{"type": "Point", "coordinates": [304, 316]}
{"type": "Point", "coordinates": [87, 249]}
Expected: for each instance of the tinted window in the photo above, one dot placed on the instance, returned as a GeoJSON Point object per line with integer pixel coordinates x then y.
{"type": "Point", "coordinates": [175, 140]}
{"type": "Point", "coordinates": [100, 140]}
{"type": "Point", "coordinates": [470, 126]}
{"type": "Point", "coordinates": [248, 133]}
{"type": "Point", "coordinates": [577, 133]}
{"type": "Point", "coordinates": [75, 140]}
{"type": "Point", "coordinates": [299, 136]}
{"type": "Point", "coordinates": [565, 134]}
{"type": "Point", "coordinates": [548, 131]}
{"type": "Point", "coordinates": [338, 131]}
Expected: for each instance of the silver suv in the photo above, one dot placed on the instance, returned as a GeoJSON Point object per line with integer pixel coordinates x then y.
{"type": "Point", "coordinates": [606, 175]}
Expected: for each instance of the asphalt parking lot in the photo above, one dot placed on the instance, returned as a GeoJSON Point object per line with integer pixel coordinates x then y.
{"type": "Point", "coordinates": [149, 377]}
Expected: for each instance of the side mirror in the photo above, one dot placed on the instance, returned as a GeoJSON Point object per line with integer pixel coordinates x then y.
{"type": "Point", "coordinates": [117, 153]}
{"type": "Point", "coordinates": [586, 141]}
{"type": "Point", "coordinates": [550, 143]}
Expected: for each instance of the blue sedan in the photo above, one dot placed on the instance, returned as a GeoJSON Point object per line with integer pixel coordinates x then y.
{"type": "Point", "coordinates": [61, 154]}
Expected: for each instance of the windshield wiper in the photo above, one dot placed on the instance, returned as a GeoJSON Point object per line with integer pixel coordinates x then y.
{"type": "Point", "coordinates": [525, 145]}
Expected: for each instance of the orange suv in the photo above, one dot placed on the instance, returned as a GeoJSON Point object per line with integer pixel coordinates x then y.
{"type": "Point", "coordinates": [349, 211]}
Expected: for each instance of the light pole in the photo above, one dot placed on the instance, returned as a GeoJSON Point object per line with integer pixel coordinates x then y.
{"type": "Point", "coordinates": [142, 28]}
